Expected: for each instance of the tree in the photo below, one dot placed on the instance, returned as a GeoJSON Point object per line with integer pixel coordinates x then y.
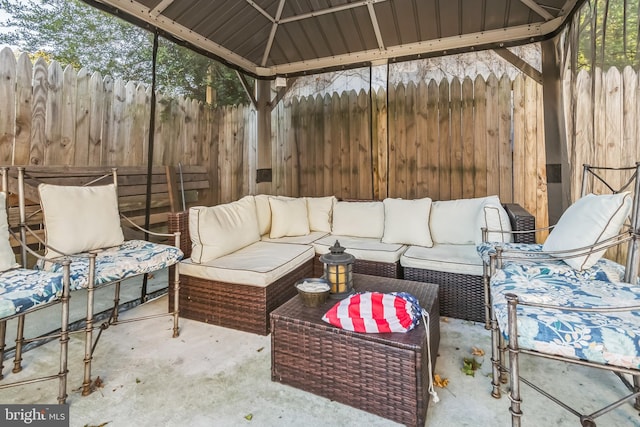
{"type": "Point", "coordinates": [608, 34]}
{"type": "Point", "coordinates": [76, 34]}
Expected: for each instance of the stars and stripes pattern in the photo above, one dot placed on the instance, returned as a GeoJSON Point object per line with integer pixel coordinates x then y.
{"type": "Point", "coordinates": [375, 312]}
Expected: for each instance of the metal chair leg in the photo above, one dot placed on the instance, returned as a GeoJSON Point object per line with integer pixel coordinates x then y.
{"type": "Point", "coordinates": [17, 360]}
{"type": "Point", "coordinates": [64, 339]}
{"type": "Point", "coordinates": [514, 370]}
{"type": "Point", "coordinates": [176, 299]}
{"type": "Point", "coordinates": [495, 358]}
{"type": "Point", "coordinates": [88, 338]}
{"type": "Point", "coordinates": [3, 333]}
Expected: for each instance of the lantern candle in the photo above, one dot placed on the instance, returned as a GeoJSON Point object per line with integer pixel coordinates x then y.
{"type": "Point", "coordinates": [338, 270]}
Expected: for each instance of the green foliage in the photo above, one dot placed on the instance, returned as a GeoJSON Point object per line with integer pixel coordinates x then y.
{"type": "Point", "coordinates": [470, 365]}
{"type": "Point", "coordinates": [608, 34]}
{"type": "Point", "coordinates": [76, 34]}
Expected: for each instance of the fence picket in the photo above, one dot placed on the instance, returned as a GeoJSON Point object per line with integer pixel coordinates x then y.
{"type": "Point", "coordinates": [8, 97]}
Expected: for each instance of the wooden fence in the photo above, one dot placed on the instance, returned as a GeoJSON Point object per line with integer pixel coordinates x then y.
{"type": "Point", "coordinates": [442, 139]}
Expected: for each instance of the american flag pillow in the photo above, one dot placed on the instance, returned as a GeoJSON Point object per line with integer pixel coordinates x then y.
{"type": "Point", "coordinates": [375, 312]}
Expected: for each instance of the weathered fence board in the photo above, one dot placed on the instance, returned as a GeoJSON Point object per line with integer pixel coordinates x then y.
{"type": "Point", "coordinates": [7, 97]}
{"type": "Point", "coordinates": [439, 139]}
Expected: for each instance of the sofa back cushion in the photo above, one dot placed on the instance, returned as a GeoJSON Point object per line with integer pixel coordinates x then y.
{"type": "Point", "coordinates": [263, 208]}
{"type": "Point", "coordinates": [288, 218]}
{"type": "Point", "coordinates": [456, 221]}
{"type": "Point", "coordinates": [320, 210]}
{"type": "Point", "coordinates": [591, 219]}
{"type": "Point", "coordinates": [407, 222]}
{"type": "Point", "coordinates": [7, 257]}
{"type": "Point", "coordinates": [79, 219]}
{"type": "Point", "coordinates": [493, 216]}
{"type": "Point", "coordinates": [220, 230]}
{"type": "Point", "coordinates": [358, 219]}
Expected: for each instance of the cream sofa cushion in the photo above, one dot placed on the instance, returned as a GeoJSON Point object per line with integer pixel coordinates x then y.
{"type": "Point", "coordinates": [363, 248]}
{"type": "Point", "coordinates": [320, 210]}
{"type": "Point", "coordinates": [7, 257]}
{"type": "Point", "coordinates": [258, 264]}
{"type": "Point", "coordinates": [288, 218]}
{"type": "Point", "coordinates": [220, 230]}
{"type": "Point", "coordinates": [79, 219]}
{"type": "Point", "coordinates": [461, 259]}
{"type": "Point", "coordinates": [493, 216]}
{"type": "Point", "coordinates": [358, 219]}
{"type": "Point", "coordinates": [263, 209]}
{"type": "Point", "coordinates": [454, 221]}
{"type": "Point", "coordinates": [591, 219]}
{"type": "Point", "coordinates": [407, 222]}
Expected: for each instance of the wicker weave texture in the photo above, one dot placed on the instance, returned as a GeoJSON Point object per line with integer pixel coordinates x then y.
{"type": "Point", "coordinates": [461, 295]}
{"type": "Point", "coordinates": [385, 374]}
{"type": "Point", "coordinates": [361, 266]}
{"type": "Point", "coordinates": [521, 220]}
{"type": "Point", "coordinates": [236, 306]}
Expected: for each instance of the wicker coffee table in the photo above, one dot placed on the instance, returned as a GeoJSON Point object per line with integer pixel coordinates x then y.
{"type": "Point", "coordinates": [385, 374]}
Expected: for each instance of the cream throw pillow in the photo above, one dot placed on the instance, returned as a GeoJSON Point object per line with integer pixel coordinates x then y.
{"type": "Point", "coordinates": [493, 217]}
{"type": "Point", "coordinates": [320, 210]}
{"type": "Point", "coordinates": [7, 257]}
{"type": "Point", "coordinates": [288, 218]}
{"type": "Point", "coordinates": [220, 230]}
{"type": "Point", "coordinates": [407, 222]}
{"type": "Point", "coordinates": [589, 220]}
{"type": "Point", "coordinates": [264, 211]}
{"type": "Point", "coordinates": [358, 219]}
{"type": "Point", "coordinates": [456, 221]}
{"type": "Point", "coordinates": [79, 219]}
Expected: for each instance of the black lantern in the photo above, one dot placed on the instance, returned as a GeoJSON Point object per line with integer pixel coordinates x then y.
{"type": "Point", "coordinates": [338, 271]}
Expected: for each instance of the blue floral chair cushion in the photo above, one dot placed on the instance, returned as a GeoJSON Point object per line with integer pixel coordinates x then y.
{"type": "Point", "coordinates": [22, 289]}
{"type": "Point", "coordinates": [130, 259]}
{"type": "Point", "coordinates": [605, 338]}
{"type": "Point", "coordinates": [530, 253]}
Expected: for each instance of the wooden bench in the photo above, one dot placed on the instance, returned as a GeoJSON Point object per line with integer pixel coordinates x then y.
{"type": "Point", "coordinates": [170, 191]}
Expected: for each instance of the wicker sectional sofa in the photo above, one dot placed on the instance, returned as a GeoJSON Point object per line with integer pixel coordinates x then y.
{"type": "Point", "coordinates": [243, 258]}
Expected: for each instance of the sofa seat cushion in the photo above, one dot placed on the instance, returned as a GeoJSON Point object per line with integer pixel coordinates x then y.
{"type": "Point", "coordinates": [258, 264]}
{"type": "Point", "coordinates": [22, 289]}
{"type": "Point", "coordinates": [601, 337]}
{"type": "Point", "coordinates": [369, 249]}
{"type": "Point", "coordinates": [130, 259]}
{"type": "Point", "coordinates": [298, 240]}
{"type": "Point", "coordinates": [463, 259]}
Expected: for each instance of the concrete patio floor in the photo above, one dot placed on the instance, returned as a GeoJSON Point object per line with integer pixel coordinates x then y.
{"type": "Point", "coordinates": [212, 376]}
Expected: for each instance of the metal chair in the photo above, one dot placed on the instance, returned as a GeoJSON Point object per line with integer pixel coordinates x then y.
{"type": "Point", "coordinates": [572, 299]}
{"type": "Point", "coordinates": [103, 263]}
{"type": "Point", "coordinates": [24, 291]}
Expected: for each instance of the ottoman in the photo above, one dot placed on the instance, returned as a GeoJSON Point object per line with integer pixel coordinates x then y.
{"type": "Point", "coordinates": [384, 374]}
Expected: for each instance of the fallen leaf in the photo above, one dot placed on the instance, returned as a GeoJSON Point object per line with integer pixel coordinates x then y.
{"type": "Point", "coordinates": [98, 383]}
{"type": "Point", "coordinates": [248, 417]}
{"type": "Point", "coordinates": [444, 319]}
{"type": "Point", "coordinates": [98, 425]}
{"type": "Point", "coordinates": [138, 381]}
{"type": "Point", "coordinates": [260, 349]}
{"type": "Point", "coordinates": [475, 351]}
{"type": "Point", "coordinates": [470, 366]}
{"type": "Point", "coordinates": [438, 381]}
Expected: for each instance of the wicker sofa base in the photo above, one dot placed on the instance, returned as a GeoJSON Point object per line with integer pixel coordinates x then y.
{"type": "Point", "coordinates": [361, 266]}
{"type": "Point", "coordinates": [236, 306]}
{"type": "Point", "coordinates": [384, 374]}
{"type": "Point", "coordinates": [461, 295]}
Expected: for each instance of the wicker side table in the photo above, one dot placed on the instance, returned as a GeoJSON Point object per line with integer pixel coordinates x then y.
{"type": "Point", "coordinates": [384, 374]}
